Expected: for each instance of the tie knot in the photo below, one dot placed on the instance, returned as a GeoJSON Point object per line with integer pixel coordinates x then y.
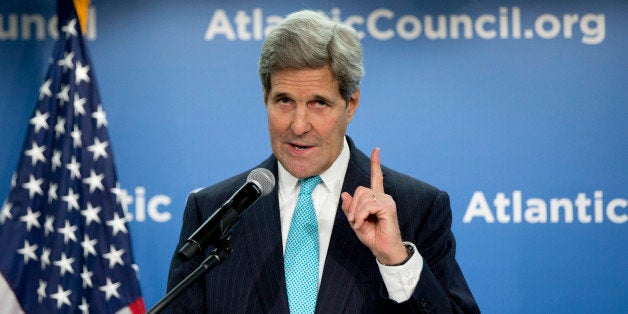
{"type": "Point", "coordinates": [308, 185]}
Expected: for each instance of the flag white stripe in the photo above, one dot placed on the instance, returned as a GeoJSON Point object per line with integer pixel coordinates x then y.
{"type": "Point", "coordinates": [8, 301]}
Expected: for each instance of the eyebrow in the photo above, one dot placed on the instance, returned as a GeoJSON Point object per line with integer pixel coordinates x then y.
{"type": "Point", "coordinates": [325, 99]}
{"type": "Point", "coordinates": [280, 95]}
{"type": "Point", "coordinates": [287, 95]}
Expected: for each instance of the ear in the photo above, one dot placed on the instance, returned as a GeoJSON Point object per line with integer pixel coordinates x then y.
{"type": "Point", "coordinates": [353, 104]}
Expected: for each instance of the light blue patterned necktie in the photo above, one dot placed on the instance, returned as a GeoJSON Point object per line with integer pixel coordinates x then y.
{"type": "Point", "coordinates": [301, 257]}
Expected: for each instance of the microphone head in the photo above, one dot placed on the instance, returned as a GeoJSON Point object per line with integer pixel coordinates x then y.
{"type": "Point", "coordinates": [263, 179]}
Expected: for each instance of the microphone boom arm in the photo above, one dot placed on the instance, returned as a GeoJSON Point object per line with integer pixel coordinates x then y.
{"type": "Point", "coordinates": [219, 254]}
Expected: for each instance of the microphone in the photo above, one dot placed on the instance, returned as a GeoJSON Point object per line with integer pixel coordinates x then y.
{"type": "Point", "coordinates": [260, 182]}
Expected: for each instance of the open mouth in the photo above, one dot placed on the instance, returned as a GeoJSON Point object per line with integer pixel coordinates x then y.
{"type": "Point", "coordinates": [299, 147]}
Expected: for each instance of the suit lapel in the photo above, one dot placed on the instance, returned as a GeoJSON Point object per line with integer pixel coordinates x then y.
{"type": "Point", "coordinates": [346, 254]}
{"type": "Point", "coordinates": [262, 229]}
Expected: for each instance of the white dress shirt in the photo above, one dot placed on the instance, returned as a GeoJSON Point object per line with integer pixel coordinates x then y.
{"type": "Point", "coordinates": [400, 281]}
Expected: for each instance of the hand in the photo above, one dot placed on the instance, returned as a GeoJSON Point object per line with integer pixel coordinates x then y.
{"type": "Point", "coordinates": [373, 216]}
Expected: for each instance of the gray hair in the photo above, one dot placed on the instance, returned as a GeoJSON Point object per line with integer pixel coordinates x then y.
{"type": "Point", "coordinates": [309, 39]}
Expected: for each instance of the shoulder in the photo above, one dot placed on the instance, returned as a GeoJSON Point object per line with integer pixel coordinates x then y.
{"type": "Point", "coordinates": [402, 187]}
{"type": "Point", "coordinates": [224, 187]}
{"type": "Point", "coordinates": [216, 194]}
{"type": "Point", "coordinates": [407, 189]}
{"type": "Point", "coordinates": [203, 202]}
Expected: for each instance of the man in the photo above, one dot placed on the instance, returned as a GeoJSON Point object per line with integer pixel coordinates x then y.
{"type": "Point", "coordinates": [351, 258]}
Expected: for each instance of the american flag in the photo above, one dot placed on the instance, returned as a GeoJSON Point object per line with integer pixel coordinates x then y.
{"type": "Point", "coordinates": [64, 240]}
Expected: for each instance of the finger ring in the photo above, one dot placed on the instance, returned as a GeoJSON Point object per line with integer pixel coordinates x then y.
{"type": "Point", "coordinates": [374, 198]}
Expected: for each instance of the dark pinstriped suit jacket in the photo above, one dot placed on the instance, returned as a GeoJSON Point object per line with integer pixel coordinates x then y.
{"type": "Point", "coordinates": [251, 280]}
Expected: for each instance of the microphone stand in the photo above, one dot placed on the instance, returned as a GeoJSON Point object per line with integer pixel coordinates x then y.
{"type": "Point", "coordinates": [216, 256]}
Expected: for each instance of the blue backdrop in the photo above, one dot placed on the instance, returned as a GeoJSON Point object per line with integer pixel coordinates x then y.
{"type": "Point", "coordinates": [517, 108]}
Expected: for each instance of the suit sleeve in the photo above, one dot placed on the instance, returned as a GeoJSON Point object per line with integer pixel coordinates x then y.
{"type": "Point", "coordinates": [441, 287]}
{"type": "Point", "coordinates": [193, 299]}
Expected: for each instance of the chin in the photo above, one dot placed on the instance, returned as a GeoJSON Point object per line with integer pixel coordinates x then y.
{"type": "Point", "coordinates": [300, 172]}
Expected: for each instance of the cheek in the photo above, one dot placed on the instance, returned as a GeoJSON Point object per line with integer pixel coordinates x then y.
{"type": "Point", "coordinates": [333, 131]}
{"type": "Point", "coordinates": [278, 128]}
{"type": "Point", "coordinates": [274, 121]}
{"type": "Point", "coordinates": [338, 125]}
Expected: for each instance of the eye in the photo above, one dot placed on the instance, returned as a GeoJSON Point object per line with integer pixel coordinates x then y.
{"type": "Point", "coordinates": [284, 102]}
{"type": "Point", "coordinates": [319, 103]}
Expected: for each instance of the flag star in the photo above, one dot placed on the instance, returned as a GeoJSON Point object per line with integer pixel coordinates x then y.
{"type": "Point", "coordinates": [94, 181]}
{"type": "Point", "coordinates": [59, 127]}
{"type": "Point", "coordinates": [28, 251]}
{"type": "Point", "coordinates": [98, 148]}
{"type": "Point", "coordinates": [86, 275]}
{"type": "Point", "coordinates": [88, 246]}
{"type": "Point", "coordinates": [122, 197]}
{"type": "Point", "coordinates": [76, 137]}
{"type": "Point", "coordinates": [62, 297]}
{"type": "Point", "coordinates": [64, 94]}
{"type": "Point", "coordinates": [67, 62]}
{"type": "Point", "coordinates": [41, 291]}
{"type": "Point", "coordinates": [52, 192]}
{"type": "Point", "coordinates": [6, 212]}
{"type": "Point", "coordinates": [91, 214]}
{"type": "Point", "coordinates": [100, 116]}
{"type": "Point", "coordinates": [36, 153]}
{"type": "Point", "coordinates": [56, 159]}
{"type": "Point", "coordinates": [84, 307]}
{"type": "Point", "coordinates": [33, 186]}
{"type": "Point", "coordinates": [110, 289]}
{"type": "Point", "coordinates": [44, 90]}
{"type": "Point", "coordinates": [117, 191]}
{"type": "Point", "coordinates": [75, 168]}
{"type": "Point", "coordinates": [31, 219]}
{"type": "Point", "coordinates": [69, 29]}
{"type": "Point", "coordinates": [127, 199]}
{"type": "Point", "coordinates": [68, 232]}
{"type": "Point", "coordinates": [79, 105]}
{"type": "Point", "coordinates": [117, 224]}
{"type": "Point", "coordinates": [71, 199]}
{"type": "Point", "coordinates": [13, 180]}
{"type": "Point", "coordinates": [65, 264]}
{"type": "Point", "coordinates": [39, 121]}
{"type": "Point", "coordinates": [45, 257]}
{"type": "Point", "coordinates": [81, 73]}
{"type": "Point", "coordinates": [48, 228]}
{"type": "Point", "coordinates": [114, 256]}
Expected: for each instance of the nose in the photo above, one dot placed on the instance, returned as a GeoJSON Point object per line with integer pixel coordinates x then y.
{"type": "Point", "coordinates": [300, 120]}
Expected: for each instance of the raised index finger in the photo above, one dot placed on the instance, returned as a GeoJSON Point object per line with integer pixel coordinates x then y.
{"type": "Point", "coordinates": [377, 179]}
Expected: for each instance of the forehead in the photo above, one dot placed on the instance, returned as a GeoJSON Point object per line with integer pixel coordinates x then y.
{"type": "Point", "coordinates": [309, 80]}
